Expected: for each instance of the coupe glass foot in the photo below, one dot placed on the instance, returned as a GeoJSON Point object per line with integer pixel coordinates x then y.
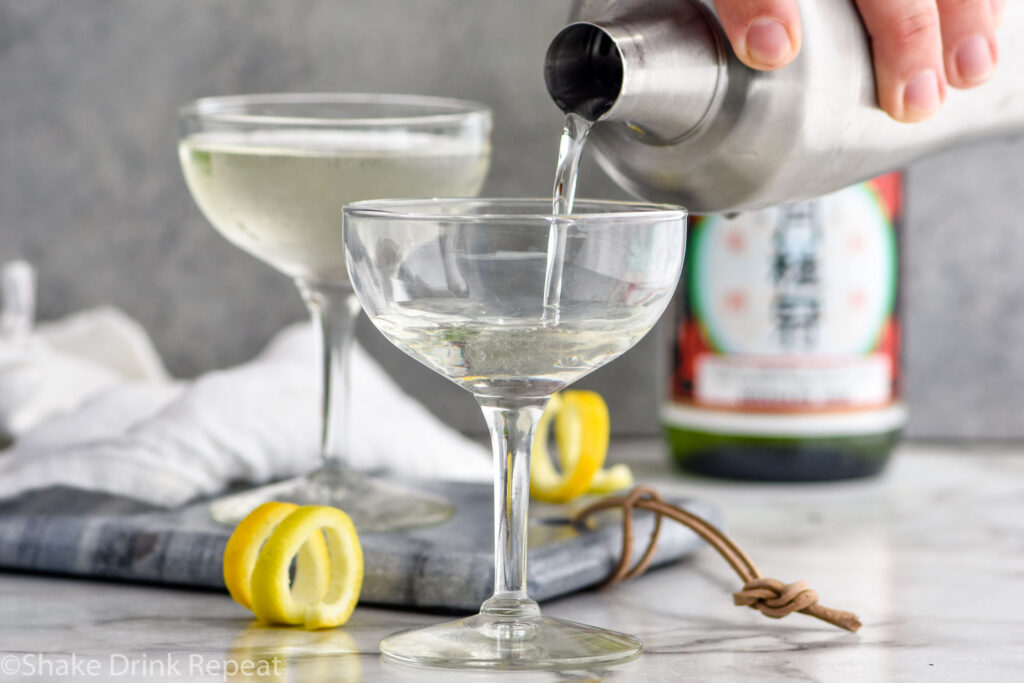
{"type": "Point", "coordinates": [373, 504]}
{"type": "Point", "coordinates": [489, 642]}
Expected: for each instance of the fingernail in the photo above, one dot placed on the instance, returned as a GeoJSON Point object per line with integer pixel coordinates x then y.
{"type": "Point", "coordinates": [974, 59]}
{"type": "Point", "coordinates": [921, 95]}
{"type": "Point", "coordinates": [768, 42]}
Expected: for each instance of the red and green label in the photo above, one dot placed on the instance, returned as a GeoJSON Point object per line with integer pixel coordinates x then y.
{"type": "Point", "coordinates": [794, 309]}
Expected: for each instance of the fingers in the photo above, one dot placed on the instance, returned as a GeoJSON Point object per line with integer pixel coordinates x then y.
{"type": "Point", "coordinates": [765, 34]}
{"type": "Point", "coordinates": [919, 45]}
{"type": "Point", "coordinates": [968, 39]}
{"type": "Point", "coordinates": [909, 65]}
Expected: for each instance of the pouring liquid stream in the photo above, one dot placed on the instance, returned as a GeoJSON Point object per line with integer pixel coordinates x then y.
{"type": "Point", "coordinates": [570, 149]}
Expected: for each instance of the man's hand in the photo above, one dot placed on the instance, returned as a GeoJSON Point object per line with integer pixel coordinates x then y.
{"type": "Point", "coordinates": [919, 46]}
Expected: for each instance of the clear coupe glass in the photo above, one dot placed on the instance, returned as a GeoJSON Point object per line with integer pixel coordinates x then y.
{"type": "Point", "coordinates": [271, 173]}
{"type": "Point", "coordinates": [459, 285]}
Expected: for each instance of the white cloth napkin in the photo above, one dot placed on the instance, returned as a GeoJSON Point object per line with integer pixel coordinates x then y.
{"type": "Point", "coordinates": [90, 406]}
{"type": "Point", "coordinates": [55, 369]}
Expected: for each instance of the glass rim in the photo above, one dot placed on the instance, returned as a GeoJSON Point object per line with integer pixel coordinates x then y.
{"type": "Point", "coordinates": [450, 110]}
{"type": "Point", "coordinates": [393, 209]}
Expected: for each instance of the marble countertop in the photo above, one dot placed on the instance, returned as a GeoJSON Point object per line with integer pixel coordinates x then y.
{"type": "Point", "coordinates": [930, 556]}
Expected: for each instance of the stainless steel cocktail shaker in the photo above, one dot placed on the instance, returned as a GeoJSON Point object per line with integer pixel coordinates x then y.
{"type": "Point", "coordinates": [683, 120]}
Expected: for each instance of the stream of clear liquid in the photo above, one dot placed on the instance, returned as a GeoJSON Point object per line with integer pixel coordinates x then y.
{"type": "Point", "coordinates": [574, 137]}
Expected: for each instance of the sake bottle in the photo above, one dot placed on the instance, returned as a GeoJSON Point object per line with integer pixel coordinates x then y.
{"type": "Point", "coordinates": [786, 354]}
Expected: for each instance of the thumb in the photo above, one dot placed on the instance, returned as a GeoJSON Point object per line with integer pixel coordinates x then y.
{"type": "Point", "coordinates": [765, 34]}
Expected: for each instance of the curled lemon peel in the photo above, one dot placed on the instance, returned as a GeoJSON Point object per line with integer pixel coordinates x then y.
{"type": "Point", "coordinates": [328, 565]}
{"type": "Point", "coordinates": [582, 430]}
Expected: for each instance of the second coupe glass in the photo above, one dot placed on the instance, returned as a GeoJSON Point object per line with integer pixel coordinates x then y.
{"type": "Point", "coordinates": [271, 173]}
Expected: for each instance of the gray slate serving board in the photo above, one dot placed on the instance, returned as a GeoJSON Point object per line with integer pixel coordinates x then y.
{"type": "Point", "coordinates": [448, 566]}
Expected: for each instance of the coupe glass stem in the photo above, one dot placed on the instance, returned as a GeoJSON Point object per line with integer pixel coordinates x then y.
{"type": "Point", "coordinates": [334, 310]}
{"type": "Point", "coordinates": [512, 424]}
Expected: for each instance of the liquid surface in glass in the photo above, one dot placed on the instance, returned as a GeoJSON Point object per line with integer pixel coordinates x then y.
{"type": "Point", "coordinates": [494, 356]}
{"type": "Point", "coordinates": [278, 194]}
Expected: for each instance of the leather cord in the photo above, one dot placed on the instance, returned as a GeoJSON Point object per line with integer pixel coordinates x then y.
{"type": "Point", "coordinates": [771, 597]}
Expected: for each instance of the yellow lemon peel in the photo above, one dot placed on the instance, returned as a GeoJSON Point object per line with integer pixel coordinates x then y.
{"type": "Point", "coordinates": [581, 434]}
{"type": "Point", "coordinates": [328, 565]}
{"type": "Point", "coordinates": [615, 478]}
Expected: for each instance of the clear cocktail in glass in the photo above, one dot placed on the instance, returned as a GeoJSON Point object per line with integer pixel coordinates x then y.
{"type": "Point", "coordinates": [459, 285]}
{"type": "Point", "coordinates": [271, 173]}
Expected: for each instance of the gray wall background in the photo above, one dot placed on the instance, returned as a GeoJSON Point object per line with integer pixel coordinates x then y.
{"type": "Point", "coordinates": [90, 189]}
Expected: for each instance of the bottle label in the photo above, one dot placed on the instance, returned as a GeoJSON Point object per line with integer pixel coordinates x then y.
{"type": "Point", "coordinates": [794, 309]}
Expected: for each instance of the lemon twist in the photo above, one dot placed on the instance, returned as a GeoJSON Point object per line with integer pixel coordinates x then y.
{"type": "Point", "coordinates": [581, 434]}
{"type": "Point", "coordinates": [328, 565]}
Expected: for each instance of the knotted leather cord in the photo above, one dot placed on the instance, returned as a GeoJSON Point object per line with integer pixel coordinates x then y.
{"type": "Point", "coordinates": [771, 597]}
